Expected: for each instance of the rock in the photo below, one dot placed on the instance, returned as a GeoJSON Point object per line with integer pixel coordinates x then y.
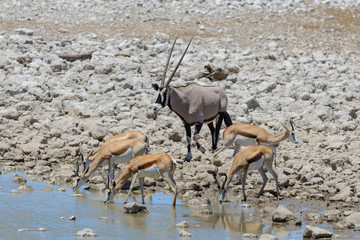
{"type": "Point", "coordinates": [183, 224]}
{"type": "Point", "coordinates": [47, 189]}
{"type": "Point", "coordinates": [250, 236]}
{"type": "Point", "coordinates": [183, 233]}
{"type": "Point", "coordinates": [332, 215]}
{"type": "Point", "coordinates": [135, 208]}
{"type": "Point", "coordinates": [267, 237]}
{"type": "Point", "coordinates": [19, 179]}
{"type": "Point", "coordinates": [32, 230]}
{"type": "Point", "coordinates": [354, 218]}
{"type": "Point", "coordinates": [25, 188]}
{"type": "Point", "coordinates": [72, 218]}
{"type": "Point", "coordinates": [282, 214]}
{"type": "Point", "coordinates": [9, 114]}
{"type": "Point", "coordinates": [316, 232]}
{"type": "Point", "coordinates": [86, 232]}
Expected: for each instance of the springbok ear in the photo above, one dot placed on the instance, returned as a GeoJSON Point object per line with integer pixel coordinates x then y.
{"type": "Point", "coordinates": [286, 128]}
{"type": "Point", "coordinates": [155, 86]}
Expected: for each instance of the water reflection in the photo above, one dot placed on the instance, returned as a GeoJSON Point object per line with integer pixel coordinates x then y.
{"type": "Point", "coordinates": [44, 209]}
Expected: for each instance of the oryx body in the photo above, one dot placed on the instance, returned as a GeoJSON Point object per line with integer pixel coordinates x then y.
{"type": "Point", "coordinates": [195, 105]}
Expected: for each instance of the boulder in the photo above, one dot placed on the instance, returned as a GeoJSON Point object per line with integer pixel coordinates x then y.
{"type": "Point", "coordinates": [316, 232]}
{"type": "Point", "coordinates": [282, 214]}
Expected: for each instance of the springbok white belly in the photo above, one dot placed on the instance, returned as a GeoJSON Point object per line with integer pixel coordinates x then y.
{"type": "Point", "coordinates": [245, 141]}
{"type": "Point", "coordinates": [123, 158]}
{"type": "Point", "coordinates": [256, 165]}
{"type": "Point", "coordinates": [151, 172]}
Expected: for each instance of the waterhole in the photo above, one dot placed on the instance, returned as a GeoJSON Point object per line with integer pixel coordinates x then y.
{"type": "Point", "coordinates": [51, 210]}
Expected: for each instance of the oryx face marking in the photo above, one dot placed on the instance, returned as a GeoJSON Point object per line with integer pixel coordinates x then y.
{"type": "Point", "coordinates": [161, 98]}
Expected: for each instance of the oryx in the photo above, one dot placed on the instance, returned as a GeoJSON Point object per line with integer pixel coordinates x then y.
{"type": "Point", "coordinates": [194, 104]}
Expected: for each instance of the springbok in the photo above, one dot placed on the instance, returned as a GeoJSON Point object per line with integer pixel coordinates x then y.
{"type": "Point", "coordinates": [251, 158]}
{"type": "Point", "coordinates": [247, 135]}
{"type": "Point", "coordinates": [194, 104]}
{"type": "Point", "coordinates": [127, 135]}
{"type": "Point", "coordinates": [153, 165]}
{"type": "Point", "coordinates": [121, 151]}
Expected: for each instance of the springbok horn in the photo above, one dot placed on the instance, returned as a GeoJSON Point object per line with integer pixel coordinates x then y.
{"type": "Point", "coordinates": [292, 124]}
{"type": "Point", "coordinates": [167, 63]}
{"type": "Point", "coordinates": [177, 66]}
{"type": "Point", "coordinates": [215, 177]}
{"type": "Point", "coordinates": [77, 169]}
{"type": "Point", "coordinates": [87, 163]}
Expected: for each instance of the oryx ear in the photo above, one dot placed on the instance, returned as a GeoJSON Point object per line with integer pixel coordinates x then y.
{"type": "Point", "coordinates": [155, 86]}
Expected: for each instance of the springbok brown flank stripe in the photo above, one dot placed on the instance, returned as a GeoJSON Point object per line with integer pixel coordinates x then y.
{"type": "Point", "coordinates": [255, 158]}
{"type": "Point", "coordinates": [146, 164]}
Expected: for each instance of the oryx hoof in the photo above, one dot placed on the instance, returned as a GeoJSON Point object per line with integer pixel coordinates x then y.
{"type": "Point", "coordinates": [188, 157]}
{"type": "Point", "coordinates": [202, 150]}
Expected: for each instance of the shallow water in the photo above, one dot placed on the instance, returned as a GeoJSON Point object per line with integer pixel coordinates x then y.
{"type": "Point", "coordinates": [38, 209]}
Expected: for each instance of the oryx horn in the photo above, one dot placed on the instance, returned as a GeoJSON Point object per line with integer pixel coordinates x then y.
{"type": "Point", "coordinates": [177, 66]}
{"type": "Point", "coordinates": [167, 63]}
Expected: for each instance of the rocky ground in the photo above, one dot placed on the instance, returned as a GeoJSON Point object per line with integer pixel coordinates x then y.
{"type": "Point", "coordinates": [73, 73]}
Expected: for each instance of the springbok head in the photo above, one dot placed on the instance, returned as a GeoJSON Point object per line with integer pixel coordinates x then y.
{"type": "Point", "coordinates": [79, 180]}
{"type": "Point", "coordinates": [161, 100]}
{"type": "Point", "coordinates": [291, 133]}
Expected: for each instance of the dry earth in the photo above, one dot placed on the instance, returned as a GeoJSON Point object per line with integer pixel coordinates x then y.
{"type": "Point", "coordinates": [73, 73]}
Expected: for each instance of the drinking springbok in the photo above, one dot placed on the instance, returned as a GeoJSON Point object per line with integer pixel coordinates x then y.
{"type": "Point", "coordinates": [251, 158]}
{"type": "Point", "coordinates": [247, 135]}
{"type": "Point", "coordinates": [121, 151]}
{"type": "Point", "coordinates": [153, 165]}
{"type": "Point", "coordinates": [194, 104]}
{"type": "Point", "coordinates": [126, 135]}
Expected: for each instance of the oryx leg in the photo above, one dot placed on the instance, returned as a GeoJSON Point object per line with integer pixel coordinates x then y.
{"type": "Point", "coordinates": [198, 127]}
{"type": "Point", "coordinates": [212, 130]}
{"type": "Point", "coordinates": [131, 187]}
{"type": "Point", "coordinates": [265, 180]}
{"type": "Point", "coordinates": [141, 181]}
{"type": "Point", "coordinates": [217, 129]}
{"type": "Point", "coordinates": [188, 138]}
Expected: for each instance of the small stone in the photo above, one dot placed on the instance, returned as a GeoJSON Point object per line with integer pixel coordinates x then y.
{"type": "Point", "coordinates": [19, 179]}
{"type": "Point", "coordinates": [183, 224]}
{"type": "Point", "coordinates": [86, 232]}
{"type": "Point", "coordinates": [47, 189]}
{"type": "Point", "coordinates": [135, 208]}
{"type": "Point", "coordinates": [267, 237]}
{"type": "Point", "coordinates": [183, 233]}
{"type": "Point", "coordinates": [76, 195]}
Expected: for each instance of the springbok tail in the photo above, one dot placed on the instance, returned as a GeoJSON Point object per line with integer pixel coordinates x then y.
{"type": "Point", "coordinates": [227, 119]}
